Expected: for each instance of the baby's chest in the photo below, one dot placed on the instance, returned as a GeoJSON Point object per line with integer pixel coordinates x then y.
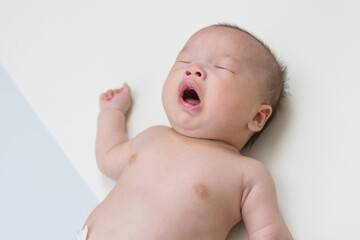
{"type": "Point", "coordinates": [188, 179]}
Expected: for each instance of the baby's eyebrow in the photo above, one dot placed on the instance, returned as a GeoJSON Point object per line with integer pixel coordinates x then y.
{"type": "Point", "coordinates": [184, 55]}
{"type": "Point", "coordinates": [235, 64]}
{"type": "Point", "coordinates": [230, 59]}
{"type": "Point", "coordinates": [184, 51]}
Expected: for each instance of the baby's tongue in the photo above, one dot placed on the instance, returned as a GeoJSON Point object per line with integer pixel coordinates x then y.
{"type": "Point", "coordinates": [192, 101]}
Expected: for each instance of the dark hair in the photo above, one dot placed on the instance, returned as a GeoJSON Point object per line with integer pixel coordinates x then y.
{"type": "Point", "coordinates": [276, 81]}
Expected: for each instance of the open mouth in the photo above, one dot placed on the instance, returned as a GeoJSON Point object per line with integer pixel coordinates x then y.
{"type": "Point", "coordinates": [189, 96]}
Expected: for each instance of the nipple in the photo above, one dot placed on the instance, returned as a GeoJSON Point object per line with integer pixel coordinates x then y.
{"type": "Point", "coordinates": [132, 159]}
{"type": "Point", "coordinates": [201, 190]}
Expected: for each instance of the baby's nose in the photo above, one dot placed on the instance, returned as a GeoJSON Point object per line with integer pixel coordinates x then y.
{"type": "Point", "coordinates": [196, 71]}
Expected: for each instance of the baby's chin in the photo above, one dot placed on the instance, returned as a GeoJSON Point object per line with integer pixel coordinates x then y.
{"type": "Point", "coordinates": [194, 127]}
{"type": "Point", "coordinates": [197, 132]}
{"type": "Point", "coordinates": [185, 130]}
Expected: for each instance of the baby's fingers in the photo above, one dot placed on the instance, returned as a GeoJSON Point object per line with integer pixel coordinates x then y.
{"type": "Point", "coordinates": [103, 96]}
{"type": "Point", "coordinates": [107, 95]}
{"type": "Point", "coordinates": [119, 98]}
{"type": "Point", "coordinates": [110, 94]}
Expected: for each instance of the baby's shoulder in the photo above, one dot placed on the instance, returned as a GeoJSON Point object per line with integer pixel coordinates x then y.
{"type": "Point", "coordinates": [154, 131]}
{"type": "Point", "coordinates": [254, 171]}
{"type": "Point", "coordinates": [157, 129]}
{"type": "Point", "coordinates": [153, 134]}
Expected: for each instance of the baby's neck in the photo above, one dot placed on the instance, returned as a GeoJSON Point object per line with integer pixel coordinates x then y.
{"type": "Point", "coordinates": [227, 145]}
{"type": "Point", "coordinates": [219, 143]}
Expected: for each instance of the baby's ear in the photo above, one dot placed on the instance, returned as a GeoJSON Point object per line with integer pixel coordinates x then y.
{"type": "Point", "coordinates": [260, 118]}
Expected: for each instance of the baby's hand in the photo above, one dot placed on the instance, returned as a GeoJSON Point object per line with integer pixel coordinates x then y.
{"type": "Point", "coordinates": [116, 99]}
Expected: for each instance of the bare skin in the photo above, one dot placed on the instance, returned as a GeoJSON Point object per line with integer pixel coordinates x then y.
{"type": "Point", "coordinates": [185, 182]}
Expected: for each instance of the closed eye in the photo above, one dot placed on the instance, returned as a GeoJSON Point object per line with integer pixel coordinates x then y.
{"type": "Point", "coordinates": [220, 67]}
{"type": "Point", "coordinates": [224, 68]}
{"type": "Point", "coordinates": [184, 61]}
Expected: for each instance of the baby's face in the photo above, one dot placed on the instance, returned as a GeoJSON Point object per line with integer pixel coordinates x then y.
{"type": "Point", "coordinates": [210, 91]}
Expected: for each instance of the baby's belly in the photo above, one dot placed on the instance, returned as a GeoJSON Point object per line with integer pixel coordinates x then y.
{"type": "Point", "coordinates": [161, 210]}
{"type": "Point", "coordinates": [129, 217]}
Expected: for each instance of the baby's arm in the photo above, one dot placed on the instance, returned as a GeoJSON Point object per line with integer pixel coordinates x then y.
{"type": "Point", "coordinates": [112, 144]}
{"type": "Point", "coordinates": [260, 210]}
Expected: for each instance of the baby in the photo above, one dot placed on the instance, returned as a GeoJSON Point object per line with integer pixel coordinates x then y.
{"type": "Point", "coordinates": [189, 182]}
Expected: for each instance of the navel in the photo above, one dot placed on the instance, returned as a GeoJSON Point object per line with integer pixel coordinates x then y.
{"type": "Point", "coordinates": [201, 190]}
{"type": "Point", "coordinates": [132, 159]}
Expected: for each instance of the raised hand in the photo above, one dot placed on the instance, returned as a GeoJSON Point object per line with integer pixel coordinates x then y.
{"type": "Point", "coordinates": [116, 99]}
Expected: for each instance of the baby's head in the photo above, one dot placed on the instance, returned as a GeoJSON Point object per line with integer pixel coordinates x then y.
{"type": "Point", "coordinates": [225, 85]}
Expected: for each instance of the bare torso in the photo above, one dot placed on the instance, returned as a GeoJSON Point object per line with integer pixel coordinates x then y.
{"type": "Point", "coordinates": [173, 187]}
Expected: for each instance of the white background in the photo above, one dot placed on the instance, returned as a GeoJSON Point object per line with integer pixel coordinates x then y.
{"type": "Point", "coordinates": [63, 54]}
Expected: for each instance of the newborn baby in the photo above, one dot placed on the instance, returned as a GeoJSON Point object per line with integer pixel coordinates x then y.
{"type": "Point", "coordinates": [190, 182]}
